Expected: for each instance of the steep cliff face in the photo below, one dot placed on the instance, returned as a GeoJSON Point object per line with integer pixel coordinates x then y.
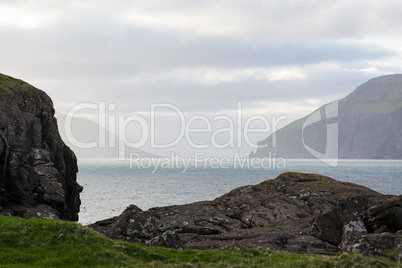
{"type": "Point", "coordinates": [37, 170]}
{"type": "Point", "coordinates": [369, 126]}
{"type": "Point", "coordinates": [370, 120]}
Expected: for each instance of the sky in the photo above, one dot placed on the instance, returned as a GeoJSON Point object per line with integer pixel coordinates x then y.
{"type": "Point", "coordinates": [272, 59]}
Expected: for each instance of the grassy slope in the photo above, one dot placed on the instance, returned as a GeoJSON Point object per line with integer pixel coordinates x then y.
{"type": "Point", "coordinates": [7, 82]}
{"type": "Point", "coordinates": [37, 242]}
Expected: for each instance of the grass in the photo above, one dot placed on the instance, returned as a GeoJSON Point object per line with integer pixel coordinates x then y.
{"type": "Point", "coordinates": [7, 82]}
{"type": "Point", "coordinates": [10, 85]}
{"type": "Point", "coordinates": [52, 243]}
{"type": "Point", "coordinates": [4, 92]}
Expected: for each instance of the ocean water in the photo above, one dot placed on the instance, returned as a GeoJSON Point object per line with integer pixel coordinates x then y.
{"type": "Point", "coordinates": [110, 186]}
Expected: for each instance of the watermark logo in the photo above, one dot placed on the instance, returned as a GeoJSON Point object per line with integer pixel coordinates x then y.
{"type": "Point", "coordinates": [237, 129]}
{"type": "Point", "coordinates": [328, 115]}
{"type": "Point", "coordinates": [113, 131]}
{"type": "Point", "coordinates": [200, 160]}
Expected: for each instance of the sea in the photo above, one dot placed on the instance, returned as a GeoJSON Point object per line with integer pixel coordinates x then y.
{"type": "Point", "coordinates": [111, 185]}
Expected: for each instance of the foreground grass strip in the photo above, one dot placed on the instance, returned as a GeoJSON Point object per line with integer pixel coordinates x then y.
{"type": "Point", "coordinates": [52, 243]}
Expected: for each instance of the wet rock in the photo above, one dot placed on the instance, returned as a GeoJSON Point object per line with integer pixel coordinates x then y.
{"type": "Point", "coordinates": [37, 170]}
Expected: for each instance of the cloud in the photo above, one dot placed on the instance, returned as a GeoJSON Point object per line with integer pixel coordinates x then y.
{"type": "Point", "coordinates": [121, 52]}
{"type": "Point", "coordinates": [271, 20]}
{"type": "Point", "coordinates": [86, 40]}
{"type": "Point", "coordinates": [22, 14]}
{"type": "Point", "coordinates": [203, 56]}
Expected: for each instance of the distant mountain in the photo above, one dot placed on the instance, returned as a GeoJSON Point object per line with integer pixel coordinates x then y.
{"type": "Point", "coordinates": [366, 124]}
{"type": "Point", "coordinates": [87, 131]}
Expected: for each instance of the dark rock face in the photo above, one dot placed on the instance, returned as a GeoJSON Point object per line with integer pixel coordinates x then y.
{"type": "Point", "coordinates": [384, 217]}
{"type": "Point", "coordinates": [37, 170]}
{"type": "Point", "coordinates": [296, 212]}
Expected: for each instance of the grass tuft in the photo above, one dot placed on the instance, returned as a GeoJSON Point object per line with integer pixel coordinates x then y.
{"type": "Point", "coordinates": [53, 243]}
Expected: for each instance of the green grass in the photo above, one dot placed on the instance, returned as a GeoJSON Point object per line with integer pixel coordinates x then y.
{"type": "Point", "coordinates": [7, 80]}
{"type": "Point", "coordinates": [10, 85]}
{"type": "Point", "coordinates": [52, 243]}
{"type": "Point", "coordinates": [4, 91]}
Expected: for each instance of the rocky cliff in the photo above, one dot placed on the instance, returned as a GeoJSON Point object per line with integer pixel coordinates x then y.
{"type": "Point", "coordinates": [296, 212]}
{"type": "Point", "coordinates": [37, 170]}
{"type": "Point", "coordinates": [369, 124]}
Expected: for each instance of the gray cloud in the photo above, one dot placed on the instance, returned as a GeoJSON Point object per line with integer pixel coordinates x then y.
{"type": "Point", "coordinates": [202, 56]}
{"type": "Point", "coordinates": [88, 52]}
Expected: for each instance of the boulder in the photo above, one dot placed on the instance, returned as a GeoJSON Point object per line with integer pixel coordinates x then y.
{"type": "Point", "coordinates": [38, 172]}
{"type": "Point", "coordinates": [296, 212]}
{"type": "Point", "coordinates": [133, 225]}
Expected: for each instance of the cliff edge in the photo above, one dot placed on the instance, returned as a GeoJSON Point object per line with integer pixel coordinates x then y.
{"type": "Point", "coordinates": [38, 172]}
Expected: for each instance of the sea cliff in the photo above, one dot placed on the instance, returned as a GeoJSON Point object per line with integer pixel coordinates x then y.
{"type": "Point", "coordinates": [38, 172]}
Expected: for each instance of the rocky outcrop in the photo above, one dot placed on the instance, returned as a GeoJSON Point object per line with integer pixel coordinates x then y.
{"type": "Point", "coordinates": [296, 212]}
{"type": "Point", "coordinates": [37, 170]}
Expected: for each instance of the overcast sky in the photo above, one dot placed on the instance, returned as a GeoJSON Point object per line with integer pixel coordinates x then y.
{"type": "Point", "coordinates": [284, 57]}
